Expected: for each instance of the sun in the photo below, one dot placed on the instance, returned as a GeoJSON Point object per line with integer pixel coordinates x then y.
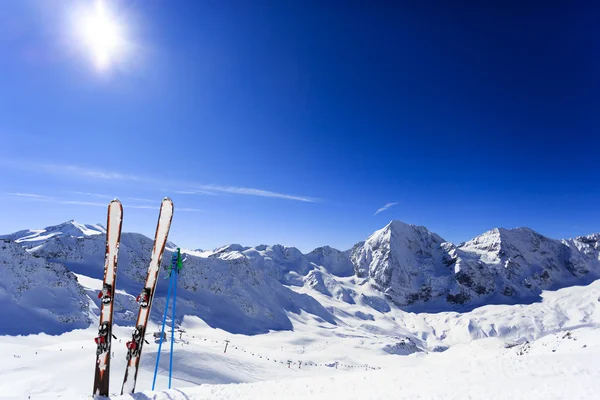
{"type": "Point", "coordinates": [101, 35]}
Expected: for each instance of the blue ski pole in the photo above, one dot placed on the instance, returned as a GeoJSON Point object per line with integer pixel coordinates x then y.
{"type": "Point", "coordinates": [162, 332]}
{"type": "Point", "coordinates": [176, 271]}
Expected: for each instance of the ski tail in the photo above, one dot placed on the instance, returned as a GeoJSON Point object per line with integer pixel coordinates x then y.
{"type": "Point", "coordinates": [134, 347]}
{"type": "Point", "coordinates": [106, 296]}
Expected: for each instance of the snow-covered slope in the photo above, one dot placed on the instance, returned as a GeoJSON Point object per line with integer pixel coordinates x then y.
{"type": "Point", "coordinates": [38, 296]}
{"type": "Point", "coordinates": [538, 351]}
{"type": "Point", "coordinates": [485, 370]}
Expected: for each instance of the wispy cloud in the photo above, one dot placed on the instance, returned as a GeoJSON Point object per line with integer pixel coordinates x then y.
{"type": "Point", "coordinates": [181, 191]}
{"type": "Point", "coordinates": [79, 203]}
{"type": "Point", "coordinates": [101, 196]}
{"type": "Point", "coordinates": [206, 192]}
{"type": "Point", "coordinates": [108, 197]}
{"type": "Point", "coordinates": [50, 199]}
{"type": "Point", "coordinates": [87, 172]}
{"type": "Point", "coordinates": [70, 170]}
{"type": "Point", "coordinates": [192, 188]}
{"type": "Point", "coordinates": [142, 200]}
{"type": "Point", "coordinates": [255, 192]}
{"type": "Point", "coordinates": [29, 195]}
{"type": "Point", "coordinates": [388, 205]}
{"type": "Point", "coordinates": [53, 200]}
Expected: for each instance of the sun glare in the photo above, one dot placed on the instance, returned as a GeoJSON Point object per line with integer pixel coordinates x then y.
{"type": "Point", "coordinates": [101, 35]}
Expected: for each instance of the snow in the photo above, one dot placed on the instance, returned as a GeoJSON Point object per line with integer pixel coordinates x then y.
{"type": "Point", "coordinates": [573, 376]}
{"type": "Point", "coordinates": [38, 296]}
{"type": "Point", "coordinates": [561, 362]}
{"type": "Point", "coordinates": [317, 310]}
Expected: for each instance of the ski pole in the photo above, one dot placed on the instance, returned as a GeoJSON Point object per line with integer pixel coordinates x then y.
{"type": "Point", "coordinates": [176, 270]}
{"type": "Point", "coordinates": [162, 332]}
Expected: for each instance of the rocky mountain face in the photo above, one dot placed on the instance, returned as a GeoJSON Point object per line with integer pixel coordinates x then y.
{"type": "Point", "coordinates": [254, 289]}
{"type": "Point", "coordinates": [520, 263]}
{"type": "Point", "coordinates": [411, 265]}
{"type": "Point", "coordinates": [405, 262]}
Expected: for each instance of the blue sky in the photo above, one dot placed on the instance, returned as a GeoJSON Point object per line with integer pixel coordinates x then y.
{"type": "Point", "coordinates": [295, 122]}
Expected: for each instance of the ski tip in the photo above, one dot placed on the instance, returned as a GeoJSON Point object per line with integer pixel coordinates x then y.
{"type": "Point", "coordinates": [116, 206]}
{"type": "Point", "coordinates": [167, 200]}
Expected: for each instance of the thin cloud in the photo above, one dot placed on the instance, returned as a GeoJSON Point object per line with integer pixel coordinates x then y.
{"type": "Point", "coordinates": [141, 200]}
{"type": "Point", "coordinates": [29, 195]}
{"type": "Point", "coordinates": [88, 173]}
{"type": "Point", "coordinates": [387, 206]}
{"type": "Point", "coordinates": [108, 197]}
{"type": "Point", "coordinates": [83, 172]}
{"type": "Point", "coordinates": [190, 192]}
{"type": "Point", "coordinates": [181, 191]}
{"type": "Point", "coordinates": [70, 170]}
{"type": "Point", "coordinates": [142, 207]}
{"type": "Point", "coordinates": [81, 203]}
{"type": "Point", "coordinates": [256, 192]}
{"type": "Point", "coordinates": [101, 196]}
{"type": "Point", "coordinates": [54, 200]}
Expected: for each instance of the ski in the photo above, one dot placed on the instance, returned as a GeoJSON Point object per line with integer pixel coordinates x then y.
{"type": "Point", "coordinates": [134, 346]}
{"type": "Point", "coordinates": [106, 296]}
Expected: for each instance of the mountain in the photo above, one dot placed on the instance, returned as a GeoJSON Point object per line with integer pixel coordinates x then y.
{"type": "Point", "coordinates": [336, 262]}
{"type": "Point", "coordinates": [253, 290]}
{"type": "Point", "coordinates": [38, 296]}
{"type": "Point", "coordinates": [238, 292]}
{"type": "Point", "coordinates": [416, 269]}
{"type": "Point", "coordinates": [407, 263]}
{"type": "Point", "coordinates": [30, 238]}
{"type": "Point", "coordinates": [520, 263]}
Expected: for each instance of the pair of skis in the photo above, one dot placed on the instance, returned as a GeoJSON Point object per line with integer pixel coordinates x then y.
{"type": "Point", "coordinates": [105, 336]}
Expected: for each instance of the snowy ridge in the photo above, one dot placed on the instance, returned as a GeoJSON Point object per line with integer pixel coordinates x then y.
{"type": "Point", "coordinates": [72, 228]}
{"type": "Point", "coordinates": [415, 268]}
{"type": "Point", "coordinates": [520, 263]}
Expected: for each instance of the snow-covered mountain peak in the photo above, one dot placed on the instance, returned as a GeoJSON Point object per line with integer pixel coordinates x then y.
{"type": "Point", "coordinates": [335, 261]}
{"type": "Point", "coordinates": [592, 240]}
{"type": "Point", "coordinates": [401, 230]}
{"type": "Point", "coordinates": [229, 248]}
{"type": "Point", "coordinates": [403, 261]}
{"type": "Point", "coordinates": [400, 237]}
{"type": "Point", "coordinates": [503, 242]}
{"type": "Point", "coordinates": [76, 229]}
{"type": "Point", "coordinates": [70, 228]}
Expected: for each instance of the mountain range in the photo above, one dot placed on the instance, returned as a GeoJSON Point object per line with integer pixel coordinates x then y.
{"type": "Point", "coordinates": [253, 290]}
